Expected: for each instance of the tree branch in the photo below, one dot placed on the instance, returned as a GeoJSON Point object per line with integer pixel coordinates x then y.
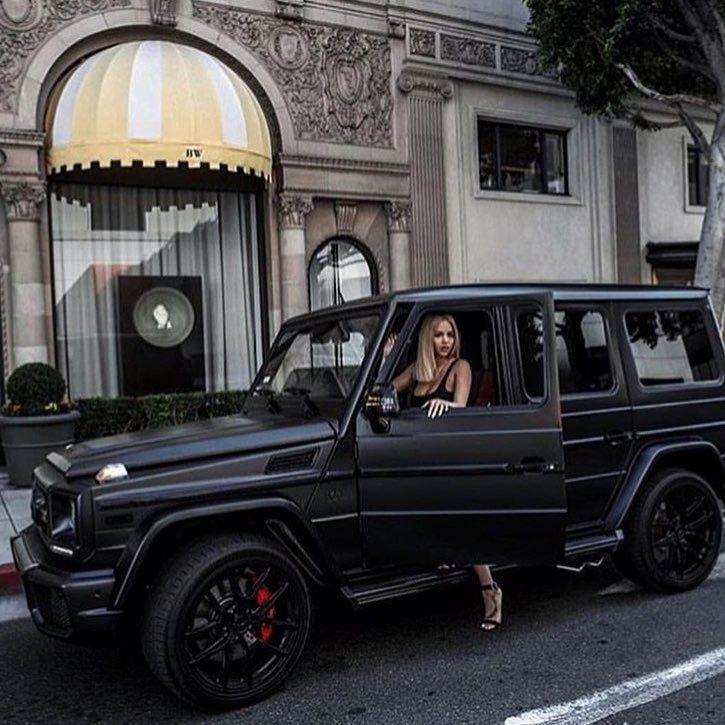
{"type": "Point", "coordinates": [698, 68]}
{"type": "Point", "coordinates": [716, 15]}
{"type": "Point", "coordinates": [673, 100]}
{"type": "Point", "coordinates": [696, 132]}
{"type": "Point", "coordinates": [666, 30]}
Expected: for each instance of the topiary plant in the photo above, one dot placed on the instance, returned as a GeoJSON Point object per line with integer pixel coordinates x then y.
{"type": "Point", "coordinates": [36, 389]}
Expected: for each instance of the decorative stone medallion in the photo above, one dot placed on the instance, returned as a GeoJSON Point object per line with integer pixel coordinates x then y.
{"type": "Point", "coordinates": [287, 48]}
{"type": "Point", "coordinates": [20, 14]}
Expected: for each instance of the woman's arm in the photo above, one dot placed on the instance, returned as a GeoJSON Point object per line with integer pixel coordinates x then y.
{"type": "Point", "coordinates": [404, 380]}
{"type": "Point", "coordinates": [461, 389]}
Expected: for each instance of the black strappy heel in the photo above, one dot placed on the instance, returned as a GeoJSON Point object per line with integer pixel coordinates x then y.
{"type": "Point", "coordinates": [489, 623]}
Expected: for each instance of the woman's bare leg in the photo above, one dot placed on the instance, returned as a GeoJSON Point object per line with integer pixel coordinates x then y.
{"type": "Point", "coordinates": [491, 597]}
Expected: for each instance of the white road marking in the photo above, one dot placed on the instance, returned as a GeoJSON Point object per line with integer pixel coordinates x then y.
{"type": "Point", "coordinates": [13, 607]}
{"type": "Point", "coordinates": [626, 695]}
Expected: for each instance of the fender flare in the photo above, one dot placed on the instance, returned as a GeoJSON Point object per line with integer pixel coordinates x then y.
{"type": "Point", "coordinates": [640, 468]}
{"type": "Point", "coordinates": [142, 540]}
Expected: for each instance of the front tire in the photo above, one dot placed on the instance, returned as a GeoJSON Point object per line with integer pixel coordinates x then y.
{"type": "Point", "coordinates": [672, 534]}
{"type": "Point", "coordinates": [227, 622]}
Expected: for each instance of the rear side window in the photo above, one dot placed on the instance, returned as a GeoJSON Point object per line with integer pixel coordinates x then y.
{"type": "Point", "coordinates": [581, 352]}
{"type": "Point", "coordinates": [671, 347]}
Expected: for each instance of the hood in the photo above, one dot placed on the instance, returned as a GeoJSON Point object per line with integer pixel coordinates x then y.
{"type": "Point", "coordinates": [231, 435]}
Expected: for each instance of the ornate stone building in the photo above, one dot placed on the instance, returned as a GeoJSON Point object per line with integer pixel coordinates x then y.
{"type": "Point", "coordinates": [239, 162]}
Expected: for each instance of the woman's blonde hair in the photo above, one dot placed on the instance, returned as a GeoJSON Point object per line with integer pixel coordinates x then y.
{"type": "Point", "coordinates": [425, 363]}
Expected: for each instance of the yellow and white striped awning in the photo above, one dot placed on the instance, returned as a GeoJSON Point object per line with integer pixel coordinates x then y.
{"type": "Point", "coordinates": [154, 101]}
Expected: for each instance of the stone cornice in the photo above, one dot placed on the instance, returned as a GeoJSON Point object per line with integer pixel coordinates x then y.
{"type": "Point", "coordinates": [21, 137]}
{"type": "Point", "coordinates": [322, 162]}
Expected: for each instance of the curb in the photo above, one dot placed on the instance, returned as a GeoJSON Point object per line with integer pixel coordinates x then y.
{"type": "Point", "coordinates": [9, 579]}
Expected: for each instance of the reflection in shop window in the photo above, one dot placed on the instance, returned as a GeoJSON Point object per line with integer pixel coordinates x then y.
{"type": "Point", "coordinates": [339, 272]}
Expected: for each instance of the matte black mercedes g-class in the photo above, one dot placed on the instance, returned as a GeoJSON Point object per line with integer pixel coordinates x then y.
{"type": "Point", "coordinates": [595, 424]}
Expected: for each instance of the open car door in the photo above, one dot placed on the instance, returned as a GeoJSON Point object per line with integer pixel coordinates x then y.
{"type": "Point", "coordinates": [479, 484]}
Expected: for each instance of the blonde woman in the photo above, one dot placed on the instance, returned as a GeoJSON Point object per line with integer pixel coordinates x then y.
{"type": "Point", "coordinates": [437, 381]}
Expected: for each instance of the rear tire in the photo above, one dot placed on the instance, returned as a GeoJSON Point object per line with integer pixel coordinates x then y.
{"type": "Point", "coordinates": [672, 533]}
{"type": "Point", "coordinates": [209, 632]}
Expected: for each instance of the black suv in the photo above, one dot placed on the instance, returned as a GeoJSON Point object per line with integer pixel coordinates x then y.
{"type": "Point", "coordinates": [595, 425]}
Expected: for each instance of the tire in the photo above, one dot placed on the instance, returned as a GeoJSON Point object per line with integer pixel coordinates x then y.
{"type": "Point", "coordinates": [672, 533]}
{"type": "Point", "coordinates": [209, 633]}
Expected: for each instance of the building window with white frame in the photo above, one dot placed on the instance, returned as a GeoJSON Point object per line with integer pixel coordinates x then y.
{"type": "Point", "coordinates": [522, 159]}
{"type": "Point", "coordinates": [698, 181]}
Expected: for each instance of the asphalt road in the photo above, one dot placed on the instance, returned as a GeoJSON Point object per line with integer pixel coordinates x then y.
{"type": "Point", "coordinates": [419, 660]}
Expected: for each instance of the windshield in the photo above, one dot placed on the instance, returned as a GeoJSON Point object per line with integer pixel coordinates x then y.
{"type": "Point", "coordinates": [319, 362]}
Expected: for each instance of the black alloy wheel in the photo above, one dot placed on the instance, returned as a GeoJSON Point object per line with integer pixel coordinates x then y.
{"type": "Point", "coordinates": [673, 533]}
{"type": "Point", "coordinates": [229, 621]}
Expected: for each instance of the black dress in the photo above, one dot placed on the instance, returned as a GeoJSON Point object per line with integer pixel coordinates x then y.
{"type": "Point", "coordinates": [416, 401]}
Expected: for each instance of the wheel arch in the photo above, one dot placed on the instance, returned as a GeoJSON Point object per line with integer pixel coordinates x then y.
{"type": "Point", "coordinates": [276, 518]}
{"type": "Point", "coordinates": [701, 457]}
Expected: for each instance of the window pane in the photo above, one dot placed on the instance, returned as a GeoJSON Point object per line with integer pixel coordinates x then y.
{"type": "Point", "coordinates": [555, 163]}
{"type": "Point", "coordinates": [671, 347]}
{"type": "Point", "coordinates": [529, 326]}
{"type": "Point", "coordinates": [487, 155]}
{"type": "Point", "coordinates": [581, 352]}
{"type": "Point", "coordinates": [698, 177]}
{"type": "Point", "coordinates": [339, 272]}
{"type": "Point", "coordinates": [520, 159]}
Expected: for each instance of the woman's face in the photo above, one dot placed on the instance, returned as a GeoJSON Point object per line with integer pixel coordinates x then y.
{"type": "Point", "coordinates": [443, 338]}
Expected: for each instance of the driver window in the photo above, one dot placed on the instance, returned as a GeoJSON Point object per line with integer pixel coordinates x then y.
{"type": "Point", "coordinates": [476, 345]}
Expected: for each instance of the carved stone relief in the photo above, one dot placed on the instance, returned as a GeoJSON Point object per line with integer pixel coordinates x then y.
{"type": "Point", "coordinates": [25, 24]}
{"type": "Point", "coordinates": [470, 52]}
{"type": "Point", "coordinates": [519, 60]}
{"type": "Point", "coordinates": [293, 210]}
{"type": "Point", "coordinates": [422, 42]}
{"type": "Point", "coordinates": [23, 200]}
{"type": "Point", "coordinates": [336, 81]}
{"type": "Point", "coordinates": [163, 12]}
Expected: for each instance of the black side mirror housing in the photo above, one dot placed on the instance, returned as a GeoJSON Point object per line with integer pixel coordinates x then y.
{"type": "Point", "coordinates": [382, 402]}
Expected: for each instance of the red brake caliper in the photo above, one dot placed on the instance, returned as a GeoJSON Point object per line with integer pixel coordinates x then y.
{"type": "Point", "coordinates": [265, 629]}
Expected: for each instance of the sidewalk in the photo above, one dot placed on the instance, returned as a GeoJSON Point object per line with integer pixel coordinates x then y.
{"type": "Point", "coordinates": [14, 516]}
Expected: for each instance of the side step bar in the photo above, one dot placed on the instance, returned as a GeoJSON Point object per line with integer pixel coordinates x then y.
{"type": "Point", "coordinates": [369, 592]}
{"type": "Point", "coordinates": [592, 546]}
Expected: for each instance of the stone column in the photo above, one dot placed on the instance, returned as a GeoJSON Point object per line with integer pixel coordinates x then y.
{"type": "Point", "coordinates": [398, 213]}
{"type": "Point", "coordinates": [428, 240]}
{"type": "Point", "coordinates": [293, 211]}
{"type": "Point", "coordinates": [24, 202]}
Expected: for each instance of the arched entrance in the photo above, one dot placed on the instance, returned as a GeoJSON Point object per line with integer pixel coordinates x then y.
{"type": "Point", "coordinates": [158, 156]}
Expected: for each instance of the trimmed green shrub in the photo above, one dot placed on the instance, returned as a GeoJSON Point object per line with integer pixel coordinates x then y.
{"type": "Point", "coordinates": [36, 389]}
{"type": "Point", "coordinates": [108, 416]}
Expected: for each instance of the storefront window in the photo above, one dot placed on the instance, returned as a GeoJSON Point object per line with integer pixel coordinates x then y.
{"type": "Point", "coordinates": [340, 272]}
{"type": "Point", "coordinates": [156, 290]}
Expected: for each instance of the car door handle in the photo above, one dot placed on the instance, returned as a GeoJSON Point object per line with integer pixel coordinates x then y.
{"type": "Point", "coordinates": [618, 437]}
{"type": "Point", "coordinates": [532, 465]}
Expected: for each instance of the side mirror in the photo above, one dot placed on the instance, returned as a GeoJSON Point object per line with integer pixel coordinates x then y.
{"type": "Point", "coordinates": [382, 402]}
